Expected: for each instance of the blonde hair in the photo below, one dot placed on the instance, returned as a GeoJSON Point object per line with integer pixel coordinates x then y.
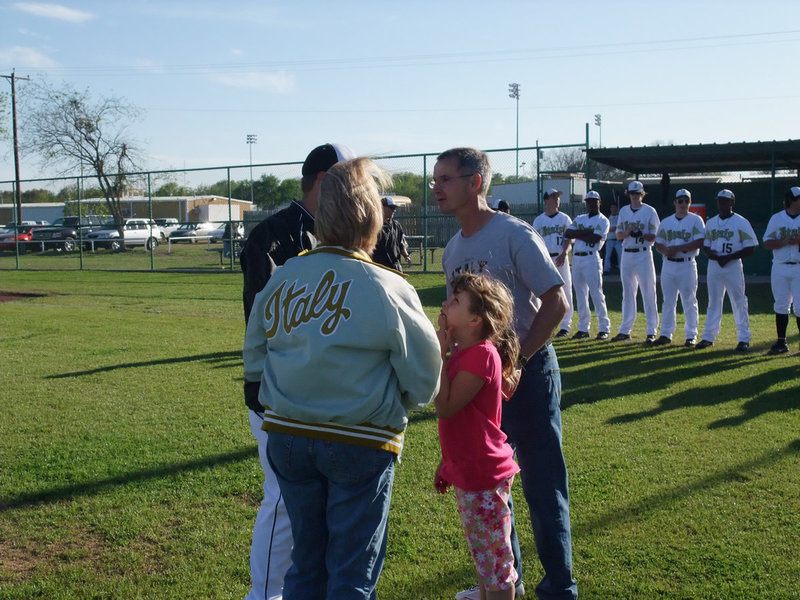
{"type": "Point", "coordinates": [493, 303]}
{"type": "Point", "coordinates": [349, 212]}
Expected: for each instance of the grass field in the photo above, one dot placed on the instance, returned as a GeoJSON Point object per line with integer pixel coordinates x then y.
{"type": "Point", "coordinates": [128, 469]}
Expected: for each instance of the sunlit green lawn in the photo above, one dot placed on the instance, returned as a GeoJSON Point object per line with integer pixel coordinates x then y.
{"type": "Point", "coordinates": [128, 469]}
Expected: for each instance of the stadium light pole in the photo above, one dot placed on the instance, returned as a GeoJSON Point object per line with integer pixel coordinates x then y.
{"type": "Point", "coordinates": [598, 120]}
{"type": "Point", "coordinates": [513, 92]}
{"type": "Point", "coordinates": [252, 138]}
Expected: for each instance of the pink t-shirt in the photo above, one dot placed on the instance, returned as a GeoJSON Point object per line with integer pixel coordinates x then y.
{"type": "Point", "coordinates": [475, 453]}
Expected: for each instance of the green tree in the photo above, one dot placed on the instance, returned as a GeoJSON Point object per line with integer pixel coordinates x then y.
{"type": "Point", "coordinates": [411, 185]}
{"type": "Point", "coordinates": [70, 130]}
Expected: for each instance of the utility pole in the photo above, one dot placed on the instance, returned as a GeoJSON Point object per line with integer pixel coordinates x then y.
{"type": "Point", "coordinates": [17, 191]}
{"type": "Point", "coordinates": [513, 93]}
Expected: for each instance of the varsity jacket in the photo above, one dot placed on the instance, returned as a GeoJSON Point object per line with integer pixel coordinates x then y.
{"type": "Point", "coordinates": [341, 350]}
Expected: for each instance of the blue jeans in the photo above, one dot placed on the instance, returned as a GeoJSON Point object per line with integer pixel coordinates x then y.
{"type": "Point", "coordinates": [532, 421]}
{"type": "Point", "coordinates": [337, 496]}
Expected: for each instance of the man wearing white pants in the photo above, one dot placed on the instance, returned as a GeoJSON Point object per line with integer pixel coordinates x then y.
{"type": "Point", "coordinates": [589, 232]}
{"type": "Point", "coordinates": [729, 239]}
{"type": "Point", "coordinates": [679, 239]}
{"type": "Point", "coordinates": [783, 238]}
{"type": "Point", "coordinates": [551, 225]}
{"type": "Point", "coordinates": [636, 229]}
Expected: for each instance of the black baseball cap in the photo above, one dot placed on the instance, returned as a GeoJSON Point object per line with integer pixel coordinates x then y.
{"type": "Point", "coordinates": [324, 157]}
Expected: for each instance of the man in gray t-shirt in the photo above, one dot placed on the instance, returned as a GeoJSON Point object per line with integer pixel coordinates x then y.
{"type": "Point", "coordinates": [511, 251]}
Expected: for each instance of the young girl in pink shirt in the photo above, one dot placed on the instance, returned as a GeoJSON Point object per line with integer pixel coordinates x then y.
{"type": "Point", "coordinates": [475, 326]}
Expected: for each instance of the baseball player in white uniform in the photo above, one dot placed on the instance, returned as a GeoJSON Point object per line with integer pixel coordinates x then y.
{"type": "Point", "coordinates": [729, 239]}
{"type": "Point", "coordinates": [679, 239]}
{"type": "Point", "coordinates": [783, 238]}
{"type": "Point", "coordinates": [589, 232]}
{"type": "Point", "coordinates": [551, 225]}
{"type": "Point", "coordinates": [612, 243]}
{"type": "Point", "coordinates": [636, 229]}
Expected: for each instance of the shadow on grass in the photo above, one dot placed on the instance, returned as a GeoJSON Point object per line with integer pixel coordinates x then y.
{"type": "Point", "coordinates": [751, 387]}
{"type": "Point", "coordinates": [636, 511]}
{"type": "Point", "coordinates": [88, 488]}
{"type": "Point", "coordinates": [212, 358]}
{"type": "Point", "coordinates": [603, 371]}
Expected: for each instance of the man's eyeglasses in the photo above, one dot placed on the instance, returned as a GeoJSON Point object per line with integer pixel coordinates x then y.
{"type": "Point", "coordinates": [445, 179]}
{"type": "Point", "coordinates": [682, 200]}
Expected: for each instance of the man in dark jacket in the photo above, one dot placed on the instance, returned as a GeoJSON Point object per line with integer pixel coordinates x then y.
{"type": "Point", "coordinates": [391, 245]}
{"type": "Point", "coordinates": [274, 241]}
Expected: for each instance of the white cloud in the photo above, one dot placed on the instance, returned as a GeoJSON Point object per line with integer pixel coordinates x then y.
{"type": "Point", "coordinates": [54, 11]}
{"type": "Point", "coordinates": [26, 58]}
{"type": "Point", "coordinates": [280, 82]}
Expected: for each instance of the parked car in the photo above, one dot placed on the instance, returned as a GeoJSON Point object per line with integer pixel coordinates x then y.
{"type": "Point", "coordinates": [65, 232]}
{"type": "Point", "coordinates": [190, 232]}
{"type": "Point", "coordinates": [168, 225]}
{"type": "Point", "coordinates": [136, 232]}
{"type": "Point", "coordinates": [12, 234]}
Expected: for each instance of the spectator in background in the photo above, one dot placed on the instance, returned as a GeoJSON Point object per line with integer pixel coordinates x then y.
{"type": "Point", "coordinates": [783, 238]}
{"type": "Point", "coordinates": [612, 243]}
{"type": "Point", "coordinates": [392, 244]}
{"type": "Point", "coordinates": [274, 241]}
{"type": "Point", "coordinates": [729, 238]}
{"type": "Point", "coordinates": [679, 239]}
{"type": "Point", "coordinates": [502, 206]}
{"type": "Point", "coordinates": [335, 436]}
{"type": "Point", "coordinates": [551, 225]}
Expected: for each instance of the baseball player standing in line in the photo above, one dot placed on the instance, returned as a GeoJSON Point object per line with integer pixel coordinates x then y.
{"type": "Point", "coordinates": [729, 239]}
{"type": "Point", "coordinates": [636, 229]}
{"type": "Point", "coordinates": [551, 225]}
{"type": "Point", "coordinates": [783, 238]}
{"type": "Point", "coordinates": [589, 232]}
{"type": "Point", "coordinates": [274, 241]}
{"type": "Point", "coordinates": [679, 239]}
{"type": "Point", "coordinates": [612, 243]}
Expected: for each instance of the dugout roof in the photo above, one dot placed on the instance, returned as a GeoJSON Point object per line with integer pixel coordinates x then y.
{"type": "Point", "coordinates": [702, 158]}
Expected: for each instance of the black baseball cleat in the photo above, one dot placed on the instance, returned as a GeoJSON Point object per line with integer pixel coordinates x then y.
{"type": "Point", "coordinates": [603, 335]}
{"type": "Point", "coordinates": [778, 347]}
{"type": "Point", "coordinates": [620, 337]}
{"type": "Point", "coordinates": [580, 335]}
{"type": "Point", "coordinates": [662, 341]}
{"type": "Point", "coordinates": [703, 344]}
{"type": "Point", "coordinates": [690, 342]}
{"type": "Point", "coordinates": [650, 339]}
{"type": "Point", "coordinates": [562, 333]}
{"type": "Point", "coordinates": [742, 347]}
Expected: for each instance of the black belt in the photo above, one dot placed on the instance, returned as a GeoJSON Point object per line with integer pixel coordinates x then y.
{"type": "Point", "coordinates": [687, 259]}
{"type": "Point", "coordinates": [791, 263]}
{"type": "Point", "coordinates": [636, 249]}
{"type": "Point", "coordinates": [582, 253]}
{"type": "Point", "coordinates": [554, 254]}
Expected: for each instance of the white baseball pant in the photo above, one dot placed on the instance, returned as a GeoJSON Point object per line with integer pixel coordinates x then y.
{"type": "Point", "coordinates": [679, 278]}
{"type": "Point", "coordinates": [566, 275]}
{"type": "Point", "coordinates": [271, 551]}
{"type": "Point", "coordinates": [587, 279]}
{"type": "Point", "coordinates": [785, 281]}
{"type": "Point", "coordinates": [720, 280]}
{"type": "Point", "coordinates": [638, 272]}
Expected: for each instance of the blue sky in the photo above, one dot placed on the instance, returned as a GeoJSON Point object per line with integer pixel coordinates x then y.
{"type": "Point", "coordinates": [408, 77]}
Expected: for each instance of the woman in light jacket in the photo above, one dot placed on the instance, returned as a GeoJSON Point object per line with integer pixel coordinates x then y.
{"type": "Point", "coordinates": [342, 350]}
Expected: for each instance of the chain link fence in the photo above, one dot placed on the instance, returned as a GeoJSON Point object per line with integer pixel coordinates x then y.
{"type": "Point", "coordinates": [175, 220]}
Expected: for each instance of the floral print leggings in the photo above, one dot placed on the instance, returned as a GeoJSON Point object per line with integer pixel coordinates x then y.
{"type": "Point", "coordinates": [486, 520]}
